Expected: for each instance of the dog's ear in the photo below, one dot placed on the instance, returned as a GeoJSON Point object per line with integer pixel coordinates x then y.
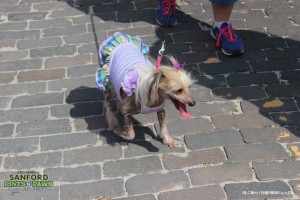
{"type": "Point", "coordinates": [153, 97]}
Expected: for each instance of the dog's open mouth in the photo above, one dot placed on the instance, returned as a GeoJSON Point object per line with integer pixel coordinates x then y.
{"type": "Point", "coordinates": [182, 108]}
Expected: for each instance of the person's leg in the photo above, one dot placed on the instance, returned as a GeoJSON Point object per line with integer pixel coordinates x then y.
{"type": "Point", "coordinates": [165, 12]}
{"type": "Point", "coordinates": [222, 31]}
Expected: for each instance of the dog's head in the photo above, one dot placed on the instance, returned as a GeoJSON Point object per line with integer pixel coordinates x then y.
{"type": "Point", "coordinates": [171, 83]}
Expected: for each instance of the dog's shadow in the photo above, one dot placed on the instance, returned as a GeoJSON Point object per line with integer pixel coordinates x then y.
{"type": "Point", "coordinates": [88, 105]}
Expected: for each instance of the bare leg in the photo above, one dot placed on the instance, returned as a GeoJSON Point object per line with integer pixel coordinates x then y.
{"type": "Point", "coordinates": [222, 12]}
{"type": "Point", "coordinates": [164, 131]}
{"type": "Point", "coordinates": [128, 133]}
{"type": "Point", "coordinates": [110, 116]}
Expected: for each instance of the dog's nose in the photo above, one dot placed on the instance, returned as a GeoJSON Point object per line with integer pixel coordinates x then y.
{"type": "Point", "coordinates": [192, 103]}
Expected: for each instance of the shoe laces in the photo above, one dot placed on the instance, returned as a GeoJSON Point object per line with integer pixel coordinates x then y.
{"type": "Point", "coordinates": [168, 7]}
{"type": "Point", "coordinates": [227, 32]}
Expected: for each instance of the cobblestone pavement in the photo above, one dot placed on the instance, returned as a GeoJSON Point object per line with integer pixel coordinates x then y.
{"type": "Point", "coordinates": [242, 142]}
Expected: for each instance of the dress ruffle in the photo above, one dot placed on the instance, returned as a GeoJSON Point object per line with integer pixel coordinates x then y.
{"type": "Point", "coordinates": [105, 51]}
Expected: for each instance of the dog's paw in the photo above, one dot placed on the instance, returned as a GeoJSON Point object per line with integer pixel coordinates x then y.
{"type": "Point", "coordinates": [172, 143]}
{"type": "Point", "coordinates": [125, 134]}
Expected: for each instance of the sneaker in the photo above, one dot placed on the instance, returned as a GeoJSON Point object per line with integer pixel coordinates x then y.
{"type": "Point", "coordinates": [165, 12]}
{"type": "Point", "coordinates": [230, 43]}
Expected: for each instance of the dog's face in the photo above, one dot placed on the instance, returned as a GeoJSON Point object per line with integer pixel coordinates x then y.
{"type": "Point", "coordinates": [173, 84]}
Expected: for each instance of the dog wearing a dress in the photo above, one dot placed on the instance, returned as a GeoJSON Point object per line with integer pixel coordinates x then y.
{"type": "Point", "coordinates": [139, 86]}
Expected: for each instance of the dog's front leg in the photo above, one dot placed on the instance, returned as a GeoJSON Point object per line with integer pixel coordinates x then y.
{"type": "Point", "coordinates": [164, 131]}
{"type": "Point", "coordinates": [110, 116]}
{"type": "Point", "coordinates": [128, 133]}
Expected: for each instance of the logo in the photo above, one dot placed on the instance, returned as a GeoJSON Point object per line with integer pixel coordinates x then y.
{"type": "Point", "coordinates": [28, 180]}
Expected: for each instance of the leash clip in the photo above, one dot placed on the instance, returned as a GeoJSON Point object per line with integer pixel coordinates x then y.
{"type": "Point", "coordinates": [162, 49]}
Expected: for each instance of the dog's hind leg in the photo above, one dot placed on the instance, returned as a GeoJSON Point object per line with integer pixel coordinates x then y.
{"type": "Point", "coordinates": [164, 131]}
{"type": "Point", "coordinates": [110, 116]}
{"type": "Point", "coordinates": [128, 133]}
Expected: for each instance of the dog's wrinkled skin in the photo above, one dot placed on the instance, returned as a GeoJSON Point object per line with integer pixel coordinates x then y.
{"type": "Point", "coordinates": [153, 88]}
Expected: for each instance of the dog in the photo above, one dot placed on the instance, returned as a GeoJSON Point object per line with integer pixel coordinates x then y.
{"type": "Point", "coordinates": [139, 86]}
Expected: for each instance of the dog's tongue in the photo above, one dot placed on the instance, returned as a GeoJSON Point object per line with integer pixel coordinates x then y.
{"type": "Point", "coordinates": [183, 113]}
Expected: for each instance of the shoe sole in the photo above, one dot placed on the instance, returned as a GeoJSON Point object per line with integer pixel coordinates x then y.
{"type": "Point", "coordinates": [223, 51]}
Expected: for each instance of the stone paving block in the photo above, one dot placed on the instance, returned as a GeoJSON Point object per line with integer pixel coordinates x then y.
{"type": "Point", "coordinates": [250, 152]}
{"type": "Point", "coordinates": [83, 94]}
{"type": "Point", "coordinates": [52, 51]}
{"type": "Point", "coordinates": [90, 123]}
{"type": "Point", "coordinates": [153, 183]}
{"type": "Point", "coordinates": [30, 34]}
{"type": "Point", "coordinates": [283, 53]}
{"type": "Point", "coordinates": [77, 110]}
{"type": "Point", "coordinates": [26, 16]}
{"type": "Point", "coordinates": [256, 190]}
{"type": "Point", "coordinates": [121, 168]}
{"type": "Point", "coordinates": [73, 83]}
{"type": "Point", "coordinates": [52, 32]}
{"type": "Point", "coordinates": [140, 197]}
{"type": "Point", "coordinates": [39, 43]}
{"type": "Point", "coordinates": [88, 48]}
{"type": "Point", "coordinates": [277, 170]}
{"type": "Point", "coordinates": [69, 12]}
{"type": "Point", "coordinates": [48, 194]}
{"type": "Point", "coordinates": [7, 77]}
{"type": "Point", "coordinates": [6, 130]}
{"type": "Point", "coordinates": [248, 120]}
{"type": "Point", "coordinates": [7, 43]}
{"type": "Point", "coordinates": [144, 147]}
{"type": "Point", "coordinates": [281, 10]}
{"type": "Point", "coordinates": [264, 43]}
{"type": "Point", "coordinates": [288, 90]}
{"type": "Point", "coordinates": [13, 26]}
{"type": "Point", "coordinates": [43, 127]}
{"type": "Point", "coordinates": [210, 81]}
{"type": "Point", "coordinates": [265, 4]}
{"type": "Point", "coordinates": [74, 174]}
{"type": "Point", "coordinates": [201, 94]}
{"type": "Point", "coordinates": [223, 68]}
{"type": "Point", "coordinates": [222, 173]}
{"type": "Point", "coordinates": [50, 23]}
{"type": "Point", "coordinates": [113, 7]}
{"type": "Point", "coordinates": [92, 155]}
{"type": "Point", "coordinates": [41, 75]}
{"type": "Point", "coordinates": [274, 65]}
{"type": "Point", "coordinates": [88, 190]}
{"type": "Point", "coordinates": [290, 76]}
{"type": "Point", "coordinates": [252, 54]}
{"type": "Point", "coordinates": [142, 31]}
{"type": "Point", "coordinates": [21, 65]}
{"type": "Point", "coordinates": [185, 127]}
{"type": "Point", "coordinates": [60, 62]}
{"type": "Point", "coordinates": [33, 161]}
{"type": "Point", "coordinates": [295, 184]}
{"type": "Point", "coordinates": [45, 6]}
{"type": "Point", "coordinates": [11, 55]}
{"type": "Point", "coordinates": [66, 141]}
{"type": "Point", "coordinates": [211, 109]}
{"type": "Point", "coordinates": [5, 103]}
{"type": "Point", "coordinates": [81, 70]}
{"type": "Point", "coordinates": [18, 145]}
{"type": "Point", "coordinates": [213, 139]}
{"type": "Point", "coordinates": [206, 193]}
{"type": "Point", "coordinates": [266, 22]}
{"type": "Point", "coordinates": [290, 119]}
{"type": "Point", "coordinates": [24, 115]}
{"type": "Point", "coordinates": [253, 92]}
{"type": "Point", "coordinates": [112, 27]}
{"type": "Point", "coordinates": [268, 105]}
{"type": "Point", "coordinates": [13, 8]}
{"type": "Point", "coordinates": [37, 100]}
{"type": "Point", "coordinates": [252, 79]}
{"type": "Point", "coordinates": [201, 157]}
{"type": "Point", "coordinates": [78, 39]}
{"type": "Point", "coordinates": [264, 135]}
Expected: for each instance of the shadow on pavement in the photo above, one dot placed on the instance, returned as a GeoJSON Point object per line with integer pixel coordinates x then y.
{"type": "Point", "coordinates": [262, 80]}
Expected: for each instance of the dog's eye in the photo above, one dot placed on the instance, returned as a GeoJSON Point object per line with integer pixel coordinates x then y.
{"type": "Point", "coordinates": [180, 91]}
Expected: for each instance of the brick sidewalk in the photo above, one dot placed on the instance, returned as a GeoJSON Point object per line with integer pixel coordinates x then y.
{"type": "Point", "coordinates": [242, 142]}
